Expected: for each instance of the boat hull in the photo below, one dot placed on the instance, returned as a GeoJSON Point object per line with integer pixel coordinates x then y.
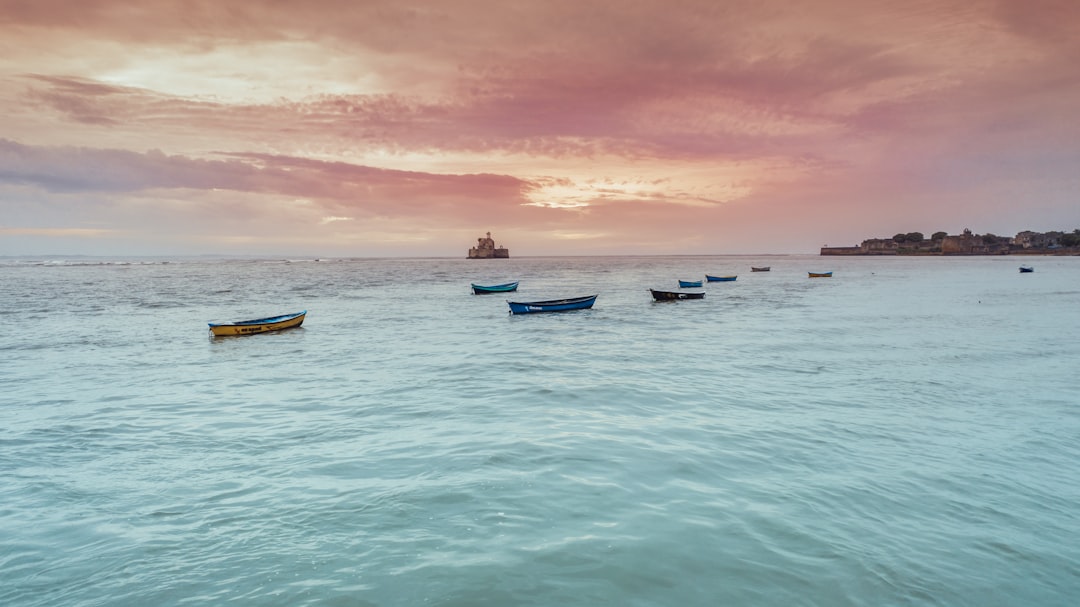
{"type": "Point", "coordinates": [689, 284]}
{"type": "Point", "coordinates": [503, 288]}
{"type": "Point", "coordinates": [553, 305]}
{"type": "Point", "coordinates": [675, 295]}
{"type": "Point", "coordinates": [820, 274]}
{"type": "Point", "coordinates": [1026, 269]}
{"type": "Point", "coordinates": [762, 269]}
{"type": "Point", "coordinates": [259, 325]}
{"type": "Point", "coordinates": [720, 278]}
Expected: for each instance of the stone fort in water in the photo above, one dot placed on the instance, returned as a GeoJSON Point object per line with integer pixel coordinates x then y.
{"type": "Point", "coordinates": [485, 249]}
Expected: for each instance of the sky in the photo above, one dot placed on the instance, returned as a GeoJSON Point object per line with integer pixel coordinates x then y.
{"type": "Point", "coordinates": [387, 128]}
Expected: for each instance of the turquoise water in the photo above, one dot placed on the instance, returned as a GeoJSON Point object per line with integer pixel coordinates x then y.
{"type": "Point", "coordinates": [904, 433]}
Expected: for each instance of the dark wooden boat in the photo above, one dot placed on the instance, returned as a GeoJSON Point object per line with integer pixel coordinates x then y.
{"type": "Point", "coordinates": [552, 305]}
{"type": "Point", "coordinates": [689, 284]}
{"type": "Point", "coordinates": [503, 288]}
{"type": "Point", "coordinates": [1026, 269]}
{"type": "Point", "coordinates": [720, 278]}
{"type": "Point", "coordinates": [676, 295]}
{"type": "Point", "coordinates": [760, 269]}
{"type": "Point", "coordinates": [258, 325]}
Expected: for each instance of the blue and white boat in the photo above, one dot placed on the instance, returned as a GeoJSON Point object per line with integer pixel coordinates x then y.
{"type": "Point", "coordinates": [720, 278]}
{"type": "Point", "coordinates": [552, 305]}
{"type": "Point", "coordinates": [689, 284]}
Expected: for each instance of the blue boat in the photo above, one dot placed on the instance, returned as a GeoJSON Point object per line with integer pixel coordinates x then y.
{"type": "Point", "coordinates": [1026, 269]}
{"type": "Point", "coordinates": [553, 305]}
{"type": "Point", "coordinates": [689, 284]}
{"type": "Point", "coordinates": [503, 288]}
{"type": "Point", "coordinates": [720, 278]}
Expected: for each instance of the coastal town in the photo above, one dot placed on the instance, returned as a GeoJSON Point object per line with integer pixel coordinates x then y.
{"type": "Point", "coordinates": [966, 243]}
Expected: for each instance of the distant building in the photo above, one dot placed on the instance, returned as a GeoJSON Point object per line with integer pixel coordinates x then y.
{"type": "Point", "coordinates": [485, 249]}
{"type": "Point", "coordinates": [964, 244]}
{"type": "Point", "coordinates": [1038, 240]}
{"type": "Point", "coordinates": [974, 244]}
{"type": "Point", "coordinates": [1025, 239]}
{"type": "Point", "coordinates": [880, 246]}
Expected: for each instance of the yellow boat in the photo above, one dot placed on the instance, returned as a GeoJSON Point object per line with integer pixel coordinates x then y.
{"type": "Point", "coordinates": [259, 325]}
{"type": "Point", "coordinates": [820, 274]}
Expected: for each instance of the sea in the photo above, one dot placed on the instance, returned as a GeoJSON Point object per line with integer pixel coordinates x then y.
{"type": "Point", "coordinates": [906, 432]}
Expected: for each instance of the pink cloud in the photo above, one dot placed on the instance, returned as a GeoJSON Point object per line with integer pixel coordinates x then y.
{"type": "Point", "coordinates": [655, 115]}
{"type": "Point", "coordinates": [335, 183]}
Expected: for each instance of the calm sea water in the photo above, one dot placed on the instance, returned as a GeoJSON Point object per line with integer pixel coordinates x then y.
{"type": "Point", "coordinates": [904, 433]}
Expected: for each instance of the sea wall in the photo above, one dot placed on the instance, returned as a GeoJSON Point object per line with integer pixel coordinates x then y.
{"type": "Point", "coordinates": [853, 251]}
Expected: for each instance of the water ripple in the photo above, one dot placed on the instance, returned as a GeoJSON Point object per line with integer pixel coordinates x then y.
{"type": "Point", "coordinates": [892, 436]}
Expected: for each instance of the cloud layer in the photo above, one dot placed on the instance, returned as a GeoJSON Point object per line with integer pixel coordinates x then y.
{"type": "Point", "coordinates": [379, 128]}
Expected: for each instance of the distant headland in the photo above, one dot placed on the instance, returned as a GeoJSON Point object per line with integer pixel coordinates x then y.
{"type": "Point", "coordinates": [940, 243]}
{"type": "Point", "coordinates": [485, 249]}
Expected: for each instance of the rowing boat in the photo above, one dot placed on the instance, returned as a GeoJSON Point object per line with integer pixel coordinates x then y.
{"type": "Point", "coordinates": [552, 305]}
{"type": "Point", "coordinates": [258, 325]}
{"type": "Point", "coordinates": [659, 295]}
{"type": "Point", "coordinates": [503, 288]}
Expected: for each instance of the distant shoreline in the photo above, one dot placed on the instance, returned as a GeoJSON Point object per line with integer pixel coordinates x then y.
{"type": "Point", "coordinates": [859, 252]}
{"type": "Point", "coordinates": [965, 244]}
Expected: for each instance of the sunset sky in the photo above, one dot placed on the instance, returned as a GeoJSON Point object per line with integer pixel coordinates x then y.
{"type": "Point", "coordinates": [564, 127]}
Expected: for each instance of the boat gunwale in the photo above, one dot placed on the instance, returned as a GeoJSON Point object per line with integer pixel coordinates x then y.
{"type": "Point", "coordinates": [508, 287]}
{"type": "Point", "coordinates": [675, 295]}
{"type": "Point", "coordinates": [270, 320]}
{"type": "Point", "coordinates": [554, 302]}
